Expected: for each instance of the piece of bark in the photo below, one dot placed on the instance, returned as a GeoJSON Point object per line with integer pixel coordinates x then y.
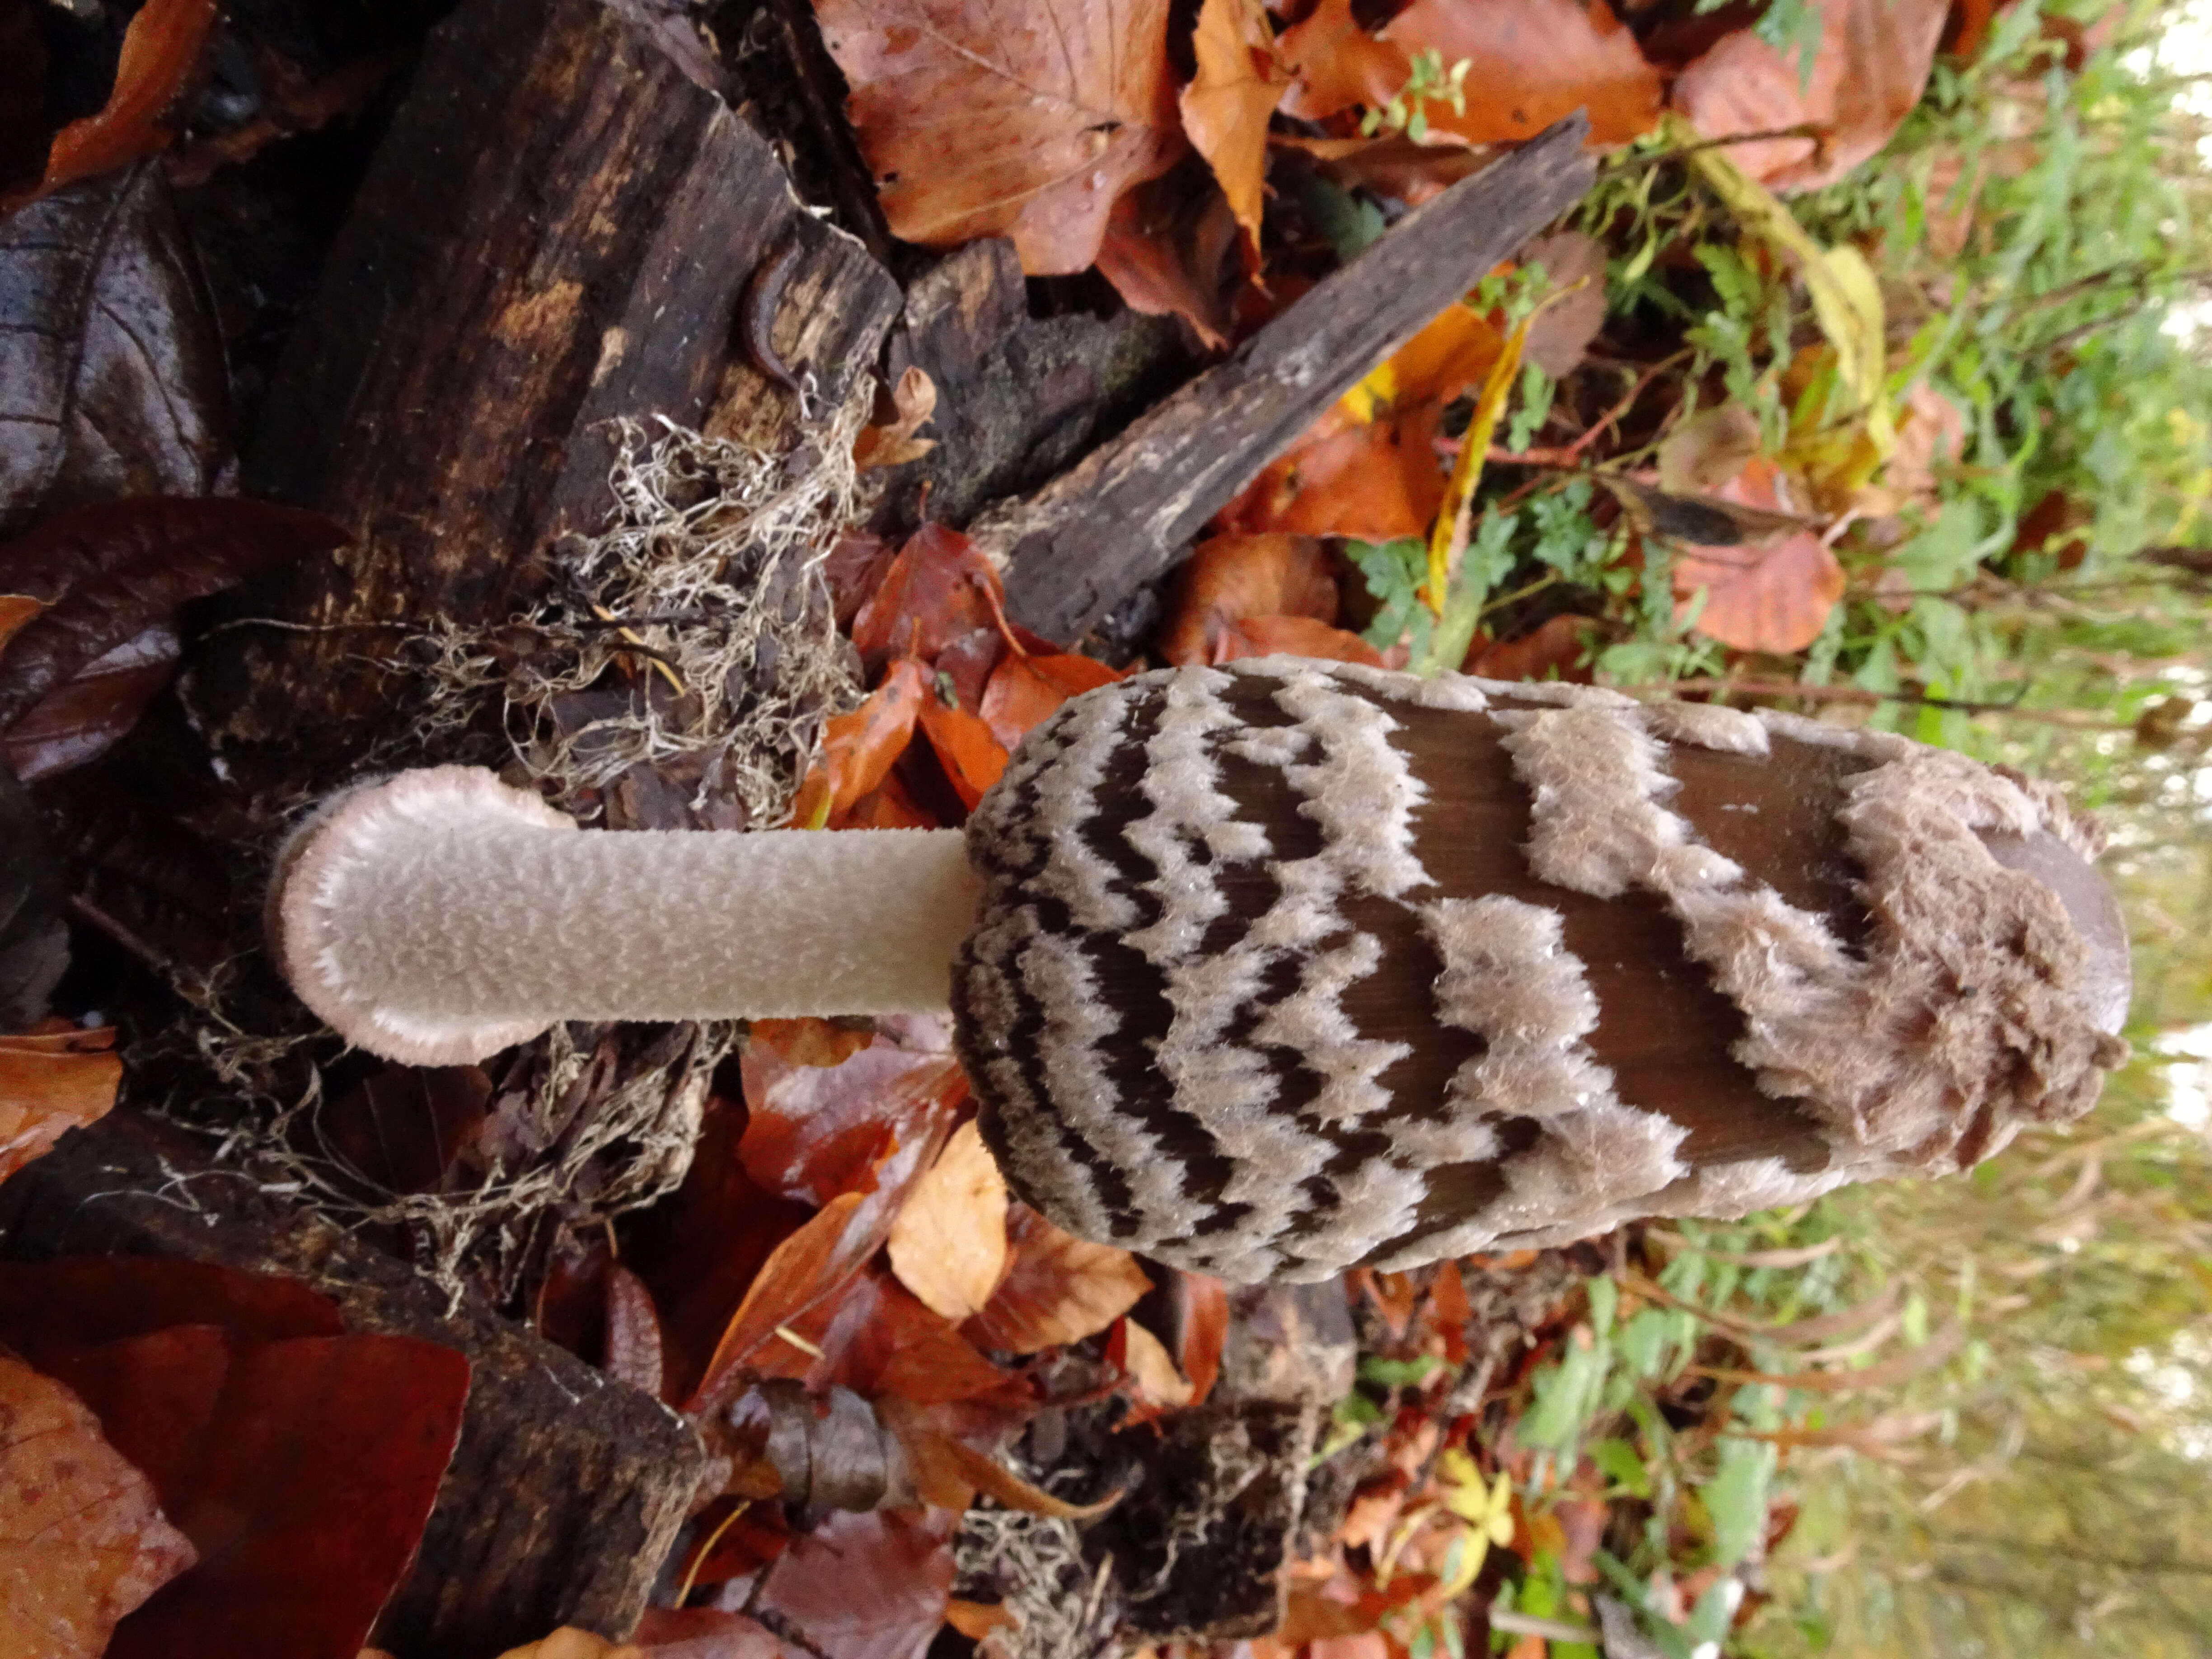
{"type": "Point", "coordinates": [567, 1489]}
{"type": "Point", "coordinates": [1121, 517]}
{"type": "Point", "coordinates": [558, 230]}
{"type": "Point", "coordinates": [1018, 397]}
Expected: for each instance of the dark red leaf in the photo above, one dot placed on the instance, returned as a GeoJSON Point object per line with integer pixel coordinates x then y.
{"type": "Point", "coordinates": [633, 1341]}
{"type": "Point", "coordinates": [107, 571]}
{"type": "Point", "coordinates": [83, 1301]}
{"type": "Point", "coordinates": [80, 719]}
{"type": "Point", "coordinates": [865, 1586]}
{"type": "Point", "coordinates": [816, 1131]}
{"type": "Point", "coordinates": [884, 1342]}
{"type": "Point", "coordinates": [402, 1128]}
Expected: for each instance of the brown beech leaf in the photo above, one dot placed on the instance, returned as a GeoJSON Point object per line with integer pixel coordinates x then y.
{"type": "Point", "coordinates": [83, 1539]}
{"type": "Point", "coordinates": [937, 588]}
{"type": "Point", "coordinates": [82, 719]}
{"type": "Point", "coordinates": [1023, 689]}
{"type": "Point", "coordinates": [1764, 593]}
{"type": "Point", "coordinates": [1869, 71]}
{"type": "Point", "coordinates": [1229, 577]}
{"type": "Point", "coordinates": [884, 1343]}
{"type": "Point", "coordinates": [1335, 64]}
{"type": "Point", "coordinates": [948, 1471]}
{"type": "Point", "coordinates": [1531, 63]}
{"type": "Point", "coordinates": [972, 755]}
{"type": "Point", "coordinates": [52, 1082]}
{"type": "Point", "coordinates": [160, 50]}
{"type": "Point", "coordinates": [1291, 636]}
{"type": "Point", "coordinates": [402, 1127]}
{"type": "Point", "coordinates": [1203, 1331]}
{"type": "Point", "coordinates": [1560, 335]}
{"type": "Point", "coordinates": [815, 1131]}
{"type": "Point", "coordinates": [893, 443]}
{"type": "Point", "coordinates": [1706, 451]}
{"type": "Point", "coordinates": [1227, 105]}
{"type": "Point", "coordinates": [869, 1586]}
{"type": "Point", "coordinates": [302, 1469]}
{"type": "Point", "coordinates": [808, 1041]}
{"type": "Point", "coordinates": [1058, 1288]}
{"type": "Point", "coordinates": [111, 374]}
{"type": "Point", "coordinates": [1394, 165]}
{"type": "Point", "coordinates": [632, 1347]}
{"type": "Point", "coordinates": [105, 572]}
{"type": "Point", "coordinates": [1553, 650]}
{"type": "Point", "coordinates": [858, 749]}
{"type": "Point", "coordinates": [949, 1244]}
{"type": "Point", "coordinates": [1026, 120]}
{"type": "Point", "coordinates": [1167, 253]}
{"type": "Point", "coordinates": [1146, 1361]}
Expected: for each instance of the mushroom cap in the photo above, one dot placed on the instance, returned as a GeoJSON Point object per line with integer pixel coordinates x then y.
{"type": "Point", "coordinates": [327, 873]}
{"type": "Point", "coordinates": [1284, 967]}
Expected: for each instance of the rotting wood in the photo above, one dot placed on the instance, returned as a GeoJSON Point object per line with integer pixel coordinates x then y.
{"type": "Point", "coordinates": [555, 232]}
{"type": "Point", "coordinates": [567, 1489]}
{"type": "Point", "coordinates": [1123, 515]}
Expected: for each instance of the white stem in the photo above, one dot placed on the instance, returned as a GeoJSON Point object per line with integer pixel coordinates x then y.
{"type": "Point", "coordinates": [440, 916]}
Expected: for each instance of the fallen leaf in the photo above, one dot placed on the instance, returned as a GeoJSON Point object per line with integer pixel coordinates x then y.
{"type": "Point", "coordinates": [1202, 1332]}
{"type": "Point", "coordinates": [973, 757]}
{"type": "Point", "coordinates": [51, 1083]}
{"type": "Point", "coordinates": [704, 1633]}
{"type": "Point", "coordinates": [83, 1539]}
{"type": "Point", "coordinates": [894, 443]}
{"type": "Point", "coordinates": [1391, 164]}
{"type": "Point", "coordinates": [815, 1131]}
{"type": "Point", "coordinates": [949, 1244]}
{"type": "Point", "coordinates": [1229, 577]}
{"type": "Point", "coordinates": [977, 1620]}
{"type": "Point", "coordinates": [1145, 1359]}
{"type": "Point", "coordinates": [825, 1447]}
{"type": "Point", "coordinates": [886, 1344]}
{"type": "Point", "coordinates": [1869, 71]}
{"type": "Point", "coordinates": [401, 1129]}
{"type": "Point", "coordinates": [302, 1470]}
{"type": "Point", "coordinates": [871, 1586]}
{"type": "Point", "coordinates": [1226, 107]}
{"type": "Point", "coordinates": [82, 719]}
{"type": "Point", "coordinates": [1058, 1288]}
{"type": "Point", "coordinates": [810, 1041]}
{"type": "Point", "coordinates": [1531, 62]}
{"type": "Point", "coordinates": [858, 749]}
{"type": "Point", "coordinates": [105, 572]}
{"type": "Point", "coordinates": [1560, 333]}
{"type": "Point", "coordinates": [1291, 636]}
{"type": "Point", "coordinates": [112, 380]}
{"type": "Point", "coordinates": [937, 588]}
{"type": "Point", "coordinates": [1024, 690]}
{"type": "Point", "coordinates": [1931, 437]}
{"type": "Point", "coordinates": [572, 1642]}
{"type": "Point", "coordinates": [81, 1302]}
{"type": "Point", "coordinates": [1027, 122]}
{"type": "Point", "coordinates": [1772, 595]}
{"type": "Point", "coordinates": [1708, 449]}
{"type": "Point", "coordinates": [633, 1346]}
{"type": "Point", "coordinates": [1166, 250]}
{"type": "Point", "coordinates": [160, 50]}
{"type": "Point", "coordinates": [1335, 64]}
{"type": "Point", "coordinates": [949, 1472]}
{"type": "Point", "coordinates": [1553, 650]}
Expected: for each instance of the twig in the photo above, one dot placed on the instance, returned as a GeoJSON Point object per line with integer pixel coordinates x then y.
{"type": "Point", "coordinates": [1749, 686]}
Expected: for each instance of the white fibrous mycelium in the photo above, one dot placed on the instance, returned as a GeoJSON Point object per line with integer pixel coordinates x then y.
{"type": "Point", "coordinates": [1279, 969]}
{"type": "Point", "coordinates": [1260, 830]}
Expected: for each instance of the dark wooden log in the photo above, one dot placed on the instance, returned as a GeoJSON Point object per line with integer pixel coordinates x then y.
{"type": "Point", "coordinates": [568, 1488]}
{"type": "Point", "coordinates": [557, 231]}
{"type": "Point", "coordinates": [1123, 514]}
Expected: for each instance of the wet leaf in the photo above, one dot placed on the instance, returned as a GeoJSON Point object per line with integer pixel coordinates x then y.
{"type": "Point", "coordinates": [815, 1131]}
{"type": "Point", "coordinates": [1225, 108]}
{"type": "Point", "coordinates": [1869, 71]}
{"type": "Point", "coordinates": [1058, 1288]}
{"type": "Point", "coordinates": [161, 49]}
{"type": "Point", "coordinates": [1024, 690]}
{"type": "Point", "coordinates": [49, 1082]}
{"type": "Point", "coordinates": [949, 1244]}
{"type": "Point", "coordinates": [82, 719]}
{"type": "Point", "coordinates": [111, 374]}
{"type": "Point", "coordinates": [864, 1586]}
{"type": "Point", "coordinates": [858, 749]}
{"type": "Point", "coordinates": [1771, 593]}
{"type": "Point", "coordinates": [83, 1539]}
{"type": "Point", "coordinates": [1028, 123]}
{"type": "Point", "coordinates": [973, 757]}
{"type": "Point", "coordinates": [107, 571]}
{"type": "Point", "coordinates": [1167, 253]}
{"type": "Point", "coordinates": [1291, 636]}
{"type": "Point", "coordinates": [1229, 577]}
{"type": "Point", "coordinates": [937, 588]}
{"type": "Point", "coordinates": [302, 1469]}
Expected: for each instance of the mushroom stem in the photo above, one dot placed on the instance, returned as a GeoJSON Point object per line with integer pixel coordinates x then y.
{"type": "Point", "coordinates": [440, 916]}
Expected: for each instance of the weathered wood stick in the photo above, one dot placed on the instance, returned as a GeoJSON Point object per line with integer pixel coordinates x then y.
{"type": "Point", "coordinates": [1076, 548]}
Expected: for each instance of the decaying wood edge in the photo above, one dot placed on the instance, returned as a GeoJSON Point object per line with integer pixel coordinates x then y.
{"type": "Point", "coordinates": [567, 1488]}
{"type": "Point", "coordinates": [1076, 548]}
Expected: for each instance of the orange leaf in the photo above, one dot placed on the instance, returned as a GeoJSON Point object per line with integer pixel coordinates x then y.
{"type": "Point", "coordinates": [814, 1131]}
{"type": "Point", "coordinates": [1533, 62]}
{"type": "Point", "coordinates": [52, 1082]}
{"type": "Point", "coordinates": [1554, 650]}
{"type": "Point", "coordinates": [889, 805]}
{"type": "Point", "coordinates": [1204, 1332]}
{"type": "Point", "coordinates": [1029, 125]}
{"type": "Point", "coordinates": [1144, 1360]}
{"type": "Point", "coordinates": [1335, 64]}
{"type": "Point", "coordinates": [949, 1244]}
{"type": "Point", "coordinates": [1869, 71]}
{"type": "Point", "coordinates": [16, 610]}
{"type": "Point", "coordinates": [82, 1540]}
{"type": "Point", "coordinates": [1226, 106]}
{"type": "Point", "coordinates": [1292, 636]}
{"type": "Point", "coordinates": [808, 1041]}
{"type": "Point", "coordinates": [858, 749]}
{"type": "Point", "coordinates": [1058, 1288]}
{"type": "Point", "coordinates": [1771, 596]}
{"type": "Point", "coordinates": [161, 49]}
{"type": "Point", "coordinates": [1229, 577]}
{"type": "Point", "coordinates": [1025, 690]}
{"type": "Point", "coordinates": [937, 588]}
{"type": "Point", "coordinates": [884, 1345]}
{"type": "Point", "coordinates": [973, 757]}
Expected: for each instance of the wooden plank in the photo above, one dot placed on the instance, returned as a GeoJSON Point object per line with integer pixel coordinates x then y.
{"type": "Point", "coordinates": [1123, 514]}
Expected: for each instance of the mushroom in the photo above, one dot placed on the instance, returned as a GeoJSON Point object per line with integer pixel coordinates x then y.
{"type": "Point", "coordinates": [1280, 968]}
